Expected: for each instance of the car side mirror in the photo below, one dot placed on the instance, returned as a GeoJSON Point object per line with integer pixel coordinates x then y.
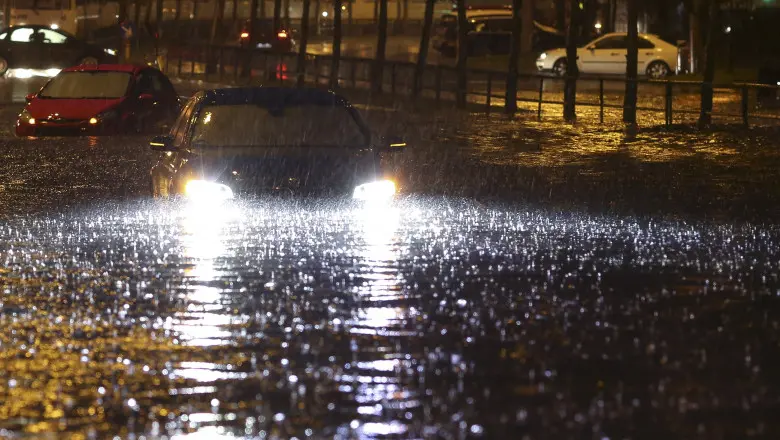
{"type": "Point", "coordinates": [29, 97]}
{"type": "Point", "coordinates": [162, 143]}
{"type": "Point", "coordinates": [392, 143]}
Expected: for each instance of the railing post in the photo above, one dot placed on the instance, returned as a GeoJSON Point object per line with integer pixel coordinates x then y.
{"type": "Point", "coordinates": [489, 92]}
{"type": "Point", "coordinates": [541, 95]}
{"type": "Point", "coordinates": [745, 120]}
{"type": "Point", "coordinates": [668, 104]}
{"type": "Point", "coordinates": [221, 63]}
{"type": "Point", "coordinates": [352, 70]}
{"type": "Point", "coordinates": [392, 79]}
{"type": "Point", "coordinates": [601, 100]}
{"type": "Point", "coordinates": [438, 84]}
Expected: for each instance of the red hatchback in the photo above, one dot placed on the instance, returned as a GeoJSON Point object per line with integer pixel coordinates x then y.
{"type": "Point", "coordinates": [101, 100]}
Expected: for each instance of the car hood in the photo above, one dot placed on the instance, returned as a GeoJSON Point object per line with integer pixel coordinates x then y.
{"type": "Point", "coordinates": [70, 108]}
{"type": "Point", "coordinates": [258, 168]}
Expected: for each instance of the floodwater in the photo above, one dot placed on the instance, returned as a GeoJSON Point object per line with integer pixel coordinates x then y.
{"type": "Point", "coordinates": [568, 285]}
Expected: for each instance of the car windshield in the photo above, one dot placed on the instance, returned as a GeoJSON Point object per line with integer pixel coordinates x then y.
{"type": "Point", "coordinates": [296, 125]}
{"type": "Point", "coordinates": [97, 85]}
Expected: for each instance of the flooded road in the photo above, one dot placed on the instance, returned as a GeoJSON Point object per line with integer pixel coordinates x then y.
{"type": "Point", "coordinates": [511, 292]}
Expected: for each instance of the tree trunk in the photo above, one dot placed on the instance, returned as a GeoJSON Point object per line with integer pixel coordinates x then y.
{"type": "Point", "coordinates": [398, 13]}
{"type": "Point", "coordinates": [376, 11]}
{"type": "Point", "coordinates": [136, 12]}
{"type": "Point", "coordinates": [612, 15]}
{"type": "Point", "coordinates": [527, 27]}
{"type": "Point", "coordinates": [246, 70]}
{"type": "Point", "coordinates": [570, 83]}
{"type": "Point", "coordinates": [705, 117]}
{"type": "Point", "coordinates": [263, 12]}
{"type": "Point", "coordinates": [463, 50]}
{"type": "Point", "coordinates": [177, 14]}
{"type": "Point", "coordinates": [336, 60]}
{"type": "Point", "coordinates": [379, 61]}
{"type": "Point", "coordinates": [425, 42]}
{"type": "Point", "coordinates": [560, 15]}
{"type": "Point", "coordinates": [217, 16]}
{"type": "Point", "coordinates": [301, 68]}
{"type": "Point", "coordinates": [287, 14]}
{"type": "Point", "coordinates": [277, 23]}
{"type": "Point", "coordinates": [632, 57]}
{"type": "Point", "coordinates": [349, 15]}
{"type": "Point", "coordinates": [317, 17]}
{"type": "Point", "coordinates": [234, 12]}
{"type": "Point", "coordinates": [518, 19]}
{"type": "Point", "coordinates": [406, 12]}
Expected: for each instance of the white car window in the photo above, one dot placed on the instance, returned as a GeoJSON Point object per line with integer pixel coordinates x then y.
{"type": "Point", "coordinates": [53, 37]}
{"type": "Point", "coordinates": [22, 35]}
{"type": "Point", "coordinates": [616, 42]}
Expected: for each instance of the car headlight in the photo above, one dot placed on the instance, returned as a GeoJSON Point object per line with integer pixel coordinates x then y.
{"type": "Point", "coordinates": [111, 52]}
{"type": "Point", "coordinates": [542, 56]}
{"type": "Point", "coordinates": [203, 190]}
{"type": "Point", "coordinates": [375, 191]}
{"type": "Point", "coordinates": [104, 116]}
{"type": "Point", "coordinates": [26, 117]}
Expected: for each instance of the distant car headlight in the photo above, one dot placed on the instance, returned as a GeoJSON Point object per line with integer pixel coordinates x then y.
{"type": "Point", "coordinates": [111, 52]}
{"type": "Point", "coordinates": [375, 191]}
{"type": "Point", "coordinates": [542, 56]}
{"type": "Point", "coordinates": [25, 117]}
{"type": "Point", "coordinates": [203, 190]}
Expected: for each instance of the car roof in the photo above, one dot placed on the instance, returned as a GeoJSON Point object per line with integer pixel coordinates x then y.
{"type": "Point", "coordinates": [129, 68]}
{"type": "Point", "coordinates": [270, 96]}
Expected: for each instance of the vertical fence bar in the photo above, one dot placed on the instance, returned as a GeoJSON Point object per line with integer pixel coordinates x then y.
{"type": "Point", "coordinates": [221, 63]}
{"type": "Point", "coordinates": [489, 92]}
{"type": "Point", "coordinates": [352, 70]}
{"type": "Point", "coordinates": [668, 104]}
{"type": "Point", "coordinates": [601, 100]}
{"type": "Point", "coordinates": [392, 80]}
{"type": "Point", "coordinates": [438, 84]}
{"type": "Point", "coordinates": [745, 120]}
{"type": "Point", "coordinates": [541, 96]}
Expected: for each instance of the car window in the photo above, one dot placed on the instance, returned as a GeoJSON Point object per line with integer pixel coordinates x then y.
{"type": "Point", "coordinates": [3, 35]}
{"type": "Point", "coordinates": [52, 36]}
{"type": "Point", "coordinates": [179, 130]}
{"type": "Point", "coordinates": [148, 82]}
{"type": "Point", "coordinates": [22, 35]}
{"type": "Point", "coordinates": [644, 43]}
{"type": "Point", "coordinates": [294, 125]}
{"type": "Point", "coordinates": [616, 42]}
{"type": "Point", "coordinates": [87, 85]}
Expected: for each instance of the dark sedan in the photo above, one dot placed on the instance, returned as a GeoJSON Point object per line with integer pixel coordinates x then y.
{"type": "Point", "coordinates": [42, 48]}
{"type": "Point", "coordinates": [244, 141]}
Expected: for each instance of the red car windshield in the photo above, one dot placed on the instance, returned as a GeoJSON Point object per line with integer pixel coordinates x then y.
{"type": "Point", "coordinates": [87, 85]}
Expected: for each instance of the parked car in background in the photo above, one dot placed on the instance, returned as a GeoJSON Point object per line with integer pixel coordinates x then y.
{"type": "Point", "coordinates": [606, 55]}
{"type": "Point", "coordinates": [43, 48]}
{"type": "Point", "coordinates": [276, 40]}
{"type": "Point", "coordinates": [101, 100]}
{"type": "Point", "coordinates": [490, 33]}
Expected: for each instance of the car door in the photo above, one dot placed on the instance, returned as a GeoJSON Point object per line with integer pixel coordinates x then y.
{"type": "Point", "coordinates": [26, 50]}
{"type": "Point", "coordinates": [645, 54]}
{"type": "Point", "coordinates": [605, 56]}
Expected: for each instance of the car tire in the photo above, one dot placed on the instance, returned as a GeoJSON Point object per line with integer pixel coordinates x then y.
{"type": "Point", "coordinates": [559, 68]}
{"type": "Point", "coordinates": [658, 70]}
{"type": "Point", "coordinates": [3, 66]}
{"type": "Point", "coordinates": [88, 61]}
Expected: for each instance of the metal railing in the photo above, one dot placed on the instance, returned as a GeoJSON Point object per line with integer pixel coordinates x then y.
{"type": "Point", "coordinates": [675, 100]}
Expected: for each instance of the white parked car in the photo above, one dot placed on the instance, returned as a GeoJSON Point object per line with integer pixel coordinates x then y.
{"type": "Point", "coordinates": [606, 55]}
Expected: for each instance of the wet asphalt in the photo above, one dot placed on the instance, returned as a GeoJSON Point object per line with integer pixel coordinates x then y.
{"type": "Point", "coordinates": [531, 281]}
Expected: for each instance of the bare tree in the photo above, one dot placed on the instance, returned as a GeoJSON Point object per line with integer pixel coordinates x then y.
{"type": "Point", "coordinates": [463, 50]}
{"type": "Point", "coordinates": [527, 27]}
{"type": "Point", "coordinates": [277, 23]}
{"type": "Point", "coordinates": [632, 59]}
{"type": "Point", "coordinates": [570, 83]}
{"type": "Point", "coordinates": [219, 12]}
{"type": "Point", "coordinates": [336, 61]}
{"type": "Point", "coordinates": [710, 48]}
{"type": "Point", "coordinates": [377, 76]}
{"type": "Point", "coordinates": [425, 42]}
{"type": "Point", "coordinates": [304, 41]}
{"type": "Point", "coordinates": [287, 14]}
{"type": "Point", "coordinates": [510, 107]}
{"type": "Point", "coordinates": [247, 65]}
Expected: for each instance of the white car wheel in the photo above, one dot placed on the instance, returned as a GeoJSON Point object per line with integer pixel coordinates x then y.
{"type": "Point", "coordinates": [658, 70]}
